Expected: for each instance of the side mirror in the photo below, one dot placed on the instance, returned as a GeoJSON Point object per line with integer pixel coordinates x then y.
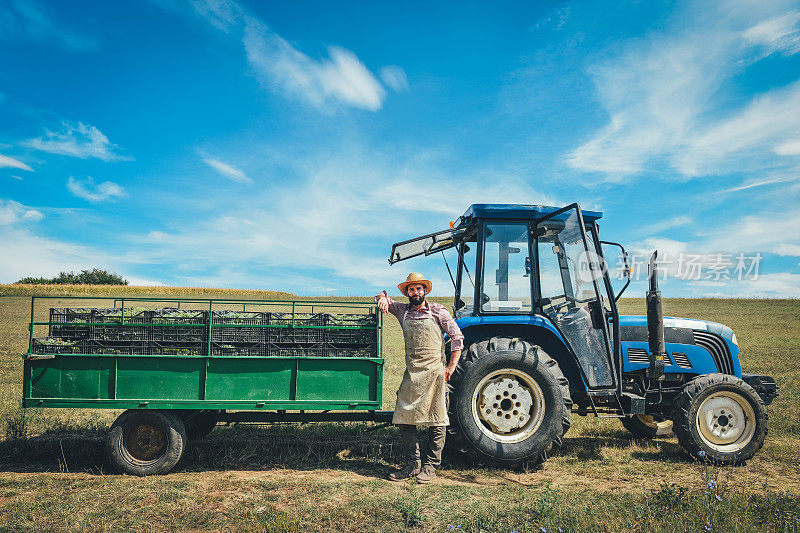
{"type": "Point", "coordinates": [459, 304]}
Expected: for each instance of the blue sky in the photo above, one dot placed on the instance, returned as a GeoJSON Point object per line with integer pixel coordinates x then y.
{"type": "Point", "coordinates": [287, 145]}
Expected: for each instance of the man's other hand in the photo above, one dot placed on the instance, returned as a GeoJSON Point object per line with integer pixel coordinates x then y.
{"type": "Point", "coordinates": [448, 371]}
{"type": "Point", "coordinates": [383, 305]}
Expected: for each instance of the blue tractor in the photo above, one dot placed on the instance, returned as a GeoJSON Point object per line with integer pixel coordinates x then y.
{"type": "Point", "coordinates": [544, 340]}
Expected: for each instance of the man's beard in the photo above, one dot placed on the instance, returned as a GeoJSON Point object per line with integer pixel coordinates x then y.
{"type": "Point", "coordinates": [416, 300]}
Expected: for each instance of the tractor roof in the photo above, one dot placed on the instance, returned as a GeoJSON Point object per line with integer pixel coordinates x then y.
{"type": "Point", "coordinates": [517, 211]}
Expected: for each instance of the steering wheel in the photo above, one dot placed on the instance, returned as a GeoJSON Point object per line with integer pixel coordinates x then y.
{"type": "Point", "coordinates": [556, 307]}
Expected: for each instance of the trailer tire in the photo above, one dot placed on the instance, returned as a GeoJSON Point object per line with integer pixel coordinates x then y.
{"type": "Point", "coordinates": [531, 415]}
{"type": "Point", "coordinates": [647, 427]}
{"type": "Point", "coordinates": [144, 443]}
{"type": "Point", "coordinates": [721, 419]}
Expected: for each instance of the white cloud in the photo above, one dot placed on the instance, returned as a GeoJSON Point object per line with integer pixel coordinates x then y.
{"type": "Point", "coordinates": [14, 213]}
{"type": "Point", "coordinates": [87, 189]}
{"type": "Point", "coordinates": [791, 250]}
{"type": "Point", "coordinates": [788, 148]}
{"type": "Point", "coordinates": [230, 172]}
{"type": "Point", "coordinates": [341, 78]}
{"type": "Point", "coordinates": [29, 20]}
{"type": "Point", "coordinates": [761, 182]}
{"type": "Point", "coordinates": [78, 140]}
{"type": "Point", "coordinates": [777, 35]}
{"type": "Point", "coordinates": [325, 83]}
{"type": "Point", "coordinates": [662, 94]}
{"type": "Point", "coordinates": [10, 162]}
{"type": "Point", "coordinates": [394, 77]}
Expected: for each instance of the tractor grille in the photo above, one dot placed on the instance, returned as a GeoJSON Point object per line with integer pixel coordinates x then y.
{"type": "Point", "coordinates": [638, 355]}
{"type": "Point", "coordinates": [681, 360]}
{"type": "Point", "coordinates": [717, 348]}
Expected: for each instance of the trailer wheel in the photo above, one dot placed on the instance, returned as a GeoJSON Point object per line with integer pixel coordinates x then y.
{"type": "Point", "coordinates": [647, 426]}
{"type": "Point", "coordinates": [720, 418]}
{"type": "Point", "coordinates": [144, 442]}
{"type": "Point", "coordinates": [511, 402]}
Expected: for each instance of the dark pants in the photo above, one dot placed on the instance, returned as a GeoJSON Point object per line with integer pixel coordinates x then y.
{"type": "Point", "coordinates": [410, 440]}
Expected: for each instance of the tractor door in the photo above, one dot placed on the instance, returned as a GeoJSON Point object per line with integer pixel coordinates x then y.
{"type": "Point", "coordinates": [568, 292]}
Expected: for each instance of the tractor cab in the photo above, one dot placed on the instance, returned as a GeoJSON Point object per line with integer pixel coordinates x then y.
{"type": "Point", "coordinates": [534, 264]}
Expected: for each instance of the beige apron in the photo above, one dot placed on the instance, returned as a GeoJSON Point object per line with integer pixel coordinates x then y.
{"type": "Point", "coordinates": [422, 394]}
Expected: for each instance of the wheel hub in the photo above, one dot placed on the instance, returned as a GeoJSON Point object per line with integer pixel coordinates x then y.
{"type": "Point", "coordinates": [505, 404]}
{"type": "Point", "coordinates": [726, 421]}
{"type": "Point", "coordinates": [145, 441]}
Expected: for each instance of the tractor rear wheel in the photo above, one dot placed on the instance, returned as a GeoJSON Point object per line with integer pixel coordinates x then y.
{"type": "Point", "coordinates": [509, 402]}
{"type": "Point", "coordinates": [144, 443]}
{"type": "Point", "coordinates": [647, 426]}
{"type": "Point", "coordinates": [720, 418]}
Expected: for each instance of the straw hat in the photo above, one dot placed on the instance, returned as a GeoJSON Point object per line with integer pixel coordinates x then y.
{"type": "Point", "coordinates": [413, 278]}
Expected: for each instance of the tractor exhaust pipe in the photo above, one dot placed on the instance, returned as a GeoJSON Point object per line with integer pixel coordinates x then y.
{"type": "Point", "coordinates": [655, 324]}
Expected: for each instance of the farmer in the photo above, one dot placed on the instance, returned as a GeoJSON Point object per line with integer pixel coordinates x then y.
{"type": "Point", "coordinates": [421, 398]}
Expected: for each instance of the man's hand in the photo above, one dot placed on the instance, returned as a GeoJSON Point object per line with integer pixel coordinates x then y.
{"type": "Point", "coordinates": [383, 304]}
{"type": "Point", "coordinates": [455, 355]}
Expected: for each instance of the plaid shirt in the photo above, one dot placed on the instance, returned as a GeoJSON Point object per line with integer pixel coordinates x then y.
{"type": "Point", "coordinates": [438, 312]}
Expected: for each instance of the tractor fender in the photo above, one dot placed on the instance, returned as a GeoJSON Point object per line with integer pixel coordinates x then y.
{"type": "Point", "coordinates": [533, 329]}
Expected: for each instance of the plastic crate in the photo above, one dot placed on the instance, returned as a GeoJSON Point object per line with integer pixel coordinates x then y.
{"type": "Point", "coordinates": [239, 349]}
{"type": "Point", "coordinates": [239, 334]}
{"type": "Point", "coordinates": [75, 322]}
{"type": "Point", "coordinates": [169, 325]}
{"type": "Point", "coordinates": [108, 325]}
{"type": "Point", "coordinates": [57, 345]}
{"type": "Point", "coordinates": [177, 348]}
{"type": "Point", "coordinates": [293, 333]}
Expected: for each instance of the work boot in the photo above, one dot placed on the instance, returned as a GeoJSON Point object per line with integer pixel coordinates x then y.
{"type": "Point", "coordinates": [426, 475]}
{"type": "Point", "coordinates": [411, 469]}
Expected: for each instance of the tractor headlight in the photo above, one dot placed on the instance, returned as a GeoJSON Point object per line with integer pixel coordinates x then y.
{"type": "Point", "coordinates": [733, 340]}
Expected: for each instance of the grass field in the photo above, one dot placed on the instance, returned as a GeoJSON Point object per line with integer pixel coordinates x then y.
{"type": "Point", "coordinates": [53, 475]}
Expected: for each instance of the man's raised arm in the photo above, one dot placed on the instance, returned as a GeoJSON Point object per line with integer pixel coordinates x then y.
{"type": "Point", "coordinates": [386, 304]}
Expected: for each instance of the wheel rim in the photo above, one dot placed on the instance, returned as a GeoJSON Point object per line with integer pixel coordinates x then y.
{"type": "Point", "coordinates": [508, 405]}
{"type": "Point", "coordinates": [651, 422]}
{"type": "Point", "coordinates": [726, 421]}
{"type": "Point", "coordinates": [145, 441]}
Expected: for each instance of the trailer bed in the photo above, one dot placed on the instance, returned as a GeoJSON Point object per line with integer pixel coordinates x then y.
{"type": "Point", "coordinates": [214, 379]}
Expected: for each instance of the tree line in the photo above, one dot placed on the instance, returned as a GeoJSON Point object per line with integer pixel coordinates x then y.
{"type": "Point", "coordinates": [95, 276]}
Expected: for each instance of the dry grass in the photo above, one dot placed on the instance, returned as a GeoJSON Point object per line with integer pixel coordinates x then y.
{"type": "Point", "coordinates": [329, 476]}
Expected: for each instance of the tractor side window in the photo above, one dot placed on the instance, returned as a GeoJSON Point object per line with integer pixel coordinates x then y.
{"type": "Point", "coordinates": [506, 269]}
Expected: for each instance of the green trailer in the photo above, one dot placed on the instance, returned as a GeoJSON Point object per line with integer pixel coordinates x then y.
{"type": "Point", "coordinates": [179, 370]}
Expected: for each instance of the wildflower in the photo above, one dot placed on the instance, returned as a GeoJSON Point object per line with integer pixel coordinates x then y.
{"type": "Point", "coordinates": [701, 453]}
{"type": "Point", "coordinates": [543, 529]}
{"type": "Point", "coordinates": [560, 530]}
{"type": "Point", "coordinates": [718, 497]}
{"type": "Point", "coordinates": [706, 493]}
{"type": "Point", "coordinates": [712, 484]}
{"type": "Point", "coordinates": [707, 527]}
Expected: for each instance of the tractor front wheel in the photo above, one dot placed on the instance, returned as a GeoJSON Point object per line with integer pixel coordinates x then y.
{"type": "Point", "coordinates": [510, 402]}
{"type": "Point", "coordinates": [720, 418]}
{"type": "Point", "coordinates": [647, 426]}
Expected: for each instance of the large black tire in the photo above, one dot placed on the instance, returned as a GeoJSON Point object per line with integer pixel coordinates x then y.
{"type": "Point", "coordinates": [647, 427]}
{"type": "Point", "coordinates": [720, 418]}
{"type": "Point", "coordinates": [145, 443]}
{"type": "Point", "coordinates": [199, 424]}
{"type": "Point", "coordinates": [494, 382]}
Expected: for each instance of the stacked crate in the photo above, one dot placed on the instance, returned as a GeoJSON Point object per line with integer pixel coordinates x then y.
{"type": "Point", "coordinates": [181, 332]}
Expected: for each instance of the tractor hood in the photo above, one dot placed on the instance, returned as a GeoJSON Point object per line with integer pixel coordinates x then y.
{"type": "Point", "coordinates": [632, 322]}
